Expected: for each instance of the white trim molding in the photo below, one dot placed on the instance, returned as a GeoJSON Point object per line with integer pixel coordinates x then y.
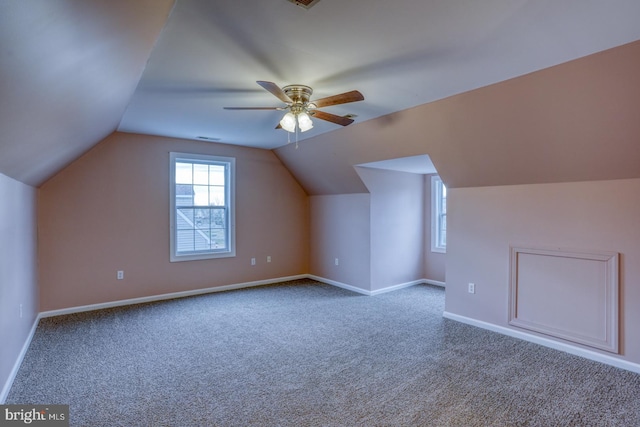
{"type": "Point", "coordinates": [377, 291]}
{"type": "Point", "coordinates": [339, 284]}
{"type": "Point", "coordinates": [182, 294]}
{"type": "Point", "coordinates": [396, 287]}
{"type": "Point", "coordinates": [16, 366]}
{"type": "Point", "coordinates": [547, 342]}
{"type": "Point", "coordinates": [538, 304]}
{"type": "Point", "coordinates": [173, 295]}
{"type": "Point", "coordinates": [434, 283]}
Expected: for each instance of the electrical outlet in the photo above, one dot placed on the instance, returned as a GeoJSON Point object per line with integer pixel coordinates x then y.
{"type": "Point", "coordinates": [21, 311]}
{"type": "Point", "coordinates": [337, 262]}
{"type": "Point", "coordinates": [120, 275]}
{"type": "Point", "coordinates": [472, 288]}
{"type": "Point", "coordinates": [253, 261]}
{"type": "Point", "coordinates": [268, 258]}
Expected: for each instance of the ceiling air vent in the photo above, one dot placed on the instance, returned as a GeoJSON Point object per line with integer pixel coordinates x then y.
{"type": "Point", "coordinates": [307, 4]}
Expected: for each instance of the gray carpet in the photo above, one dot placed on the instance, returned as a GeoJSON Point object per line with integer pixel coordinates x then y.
{"type": "Point", "coordinates": [307, 354]}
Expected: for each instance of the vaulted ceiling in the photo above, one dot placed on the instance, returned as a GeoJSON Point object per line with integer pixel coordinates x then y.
{"type": "Point", "coordinates": [74, 71]}
{"type": "Point", "coordinates": [68, 70]}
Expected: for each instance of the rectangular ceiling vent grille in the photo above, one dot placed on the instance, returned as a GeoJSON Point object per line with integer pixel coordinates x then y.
{"type": "Point", "coordinates": [307, 4]}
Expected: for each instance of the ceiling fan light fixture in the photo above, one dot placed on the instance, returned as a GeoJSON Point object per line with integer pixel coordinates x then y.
{"type": "Point", "coordinates": [299, 109]}
{"type": "Point", "coordinates": [288, 122]}
{"type": "Point", "coordinates": [304, 122]}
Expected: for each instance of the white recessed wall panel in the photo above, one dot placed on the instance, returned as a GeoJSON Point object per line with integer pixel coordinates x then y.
{"type": "Point", "coordinates": [566, 294]}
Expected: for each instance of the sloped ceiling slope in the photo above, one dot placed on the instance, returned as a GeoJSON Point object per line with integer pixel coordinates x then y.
{"type": "Point", "coordinates": [68, 69]}
{"type": "Point", "coordinates": [578, 121]}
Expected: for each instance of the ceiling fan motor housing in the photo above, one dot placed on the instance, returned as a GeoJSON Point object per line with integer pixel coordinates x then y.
{"type": "Point", "coordinates": [299, 94]}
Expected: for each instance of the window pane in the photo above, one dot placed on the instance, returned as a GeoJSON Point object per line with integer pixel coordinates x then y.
{"type": "Point", "coordinates": [218, 218]}
{"type": "Point", "coordinates": [201, 197]}
{"type": "Point", "coordinates": [200, 174]}
{"type": "Point", "coordinates": [185, 241]}
{"type": "Point", "coordinates": [183, 173]}
{"type": "Point", "coordinates": [216, 196]}
{"type": "Point", "coordinates": [201, 241]}
{"type": "Point", "coordinates": [201, 229]}
{"type": "Point", "coordinates": [184, 219]}
{"type": "Point", "coordinates": [219, 238]}
{"type": "Point", "coordinates": [219, 229]}
{"type": "Point", "coordinates": [184, 195]}
{"type": "Point", "coordinates": [216, 175]}
{"type": "Point", "coordinates": [203, 219]}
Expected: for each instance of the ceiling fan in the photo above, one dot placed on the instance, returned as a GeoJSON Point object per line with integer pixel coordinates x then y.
{"type": "Point", "coordinates": [300, 109]}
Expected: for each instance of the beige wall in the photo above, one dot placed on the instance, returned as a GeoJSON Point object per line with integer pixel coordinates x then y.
{"type": "Point", "coordinates": [378, 237]}
{"type": "Point", "coordinates": [18, 267]}
{"type": "Point", "coordinates": [397, 226]}
{"type": "Point", "coordinates": [341, 228]}
{"type": "Point", "coordinates": [109, 211]}
{"type": "Point", "coordinates": [583, 216]}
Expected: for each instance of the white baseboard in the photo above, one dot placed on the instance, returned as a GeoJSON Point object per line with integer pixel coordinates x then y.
{"type": "Point", "coordinates": [397, 287]}
{"type": "Point", "coordinates": [435, 283]}
{"type": "Point", "coordinates": [339, 284]}
{"type": "Point", "coordinates": [171, 295]}
{"type": "Point", "coordinates": [16, 366]}
{"type": "Point", "coordinates": [182, 294]}
{"type": "Point", "coordinates": [377, 291]}
{"type": "Point", "coordinates": [567, 348]}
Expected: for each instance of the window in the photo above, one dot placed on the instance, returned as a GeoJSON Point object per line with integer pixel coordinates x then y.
{"type": "Point", "coordinates": [202, 207]}
{"type": "Point", "coordinates": [438, 215]}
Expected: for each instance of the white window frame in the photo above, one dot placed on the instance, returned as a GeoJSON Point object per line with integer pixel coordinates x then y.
{"type": "Point", "coordinates": [437, 243]}
{"type": "Point", "coordinates": [229, 203]}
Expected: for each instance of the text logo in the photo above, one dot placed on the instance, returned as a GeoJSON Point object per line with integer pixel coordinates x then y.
{"type": "Point", "coordinates": [34, 415]}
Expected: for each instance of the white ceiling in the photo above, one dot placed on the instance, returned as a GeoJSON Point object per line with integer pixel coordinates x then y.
{"type": "Point", "coordinates": [398, 54]}
{"type": "Point", "coordinates": [414, 164]}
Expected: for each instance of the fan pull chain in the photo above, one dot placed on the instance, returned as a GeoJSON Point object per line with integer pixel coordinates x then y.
{"type": "Point", "coordinates": [289, 137]}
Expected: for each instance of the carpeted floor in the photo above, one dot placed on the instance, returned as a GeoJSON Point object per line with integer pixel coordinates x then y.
{"type": "Point", "coordinates": [307, 354]}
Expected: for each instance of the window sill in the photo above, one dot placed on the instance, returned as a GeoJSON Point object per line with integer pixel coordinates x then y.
{"type": "Point", "coordinates": [197, 257]}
